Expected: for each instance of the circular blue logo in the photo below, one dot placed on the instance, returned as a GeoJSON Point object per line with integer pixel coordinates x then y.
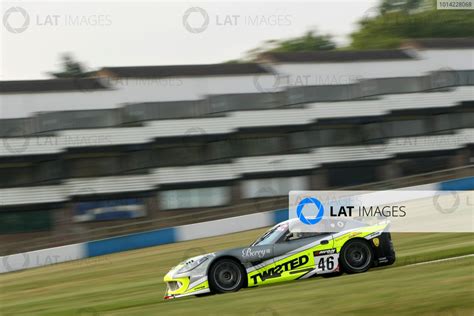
{"type": "Point", "coordinates": [319, 206]}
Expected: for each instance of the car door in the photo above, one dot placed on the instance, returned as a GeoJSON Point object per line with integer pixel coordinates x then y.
{"type": "Point", "coordinates": [301, 255]}
{"type": "Point", "coordinates": [324, 255]}
{"type": "Point", "coordinates": [258, 261]}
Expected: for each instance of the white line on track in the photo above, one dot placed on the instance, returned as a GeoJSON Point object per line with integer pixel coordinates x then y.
{"type": "Point", "coordinates": [439, 260]}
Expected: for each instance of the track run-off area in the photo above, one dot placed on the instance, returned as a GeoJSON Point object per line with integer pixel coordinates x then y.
{"type": "Point", "coordinates": [433, 275]}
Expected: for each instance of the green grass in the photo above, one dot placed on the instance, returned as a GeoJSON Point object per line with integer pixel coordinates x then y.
{"type": "Point", "coordinates": [131, 283]}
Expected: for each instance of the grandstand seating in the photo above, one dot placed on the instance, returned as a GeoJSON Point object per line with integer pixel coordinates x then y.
{"type": "Point", "coordinates": [224, 149]}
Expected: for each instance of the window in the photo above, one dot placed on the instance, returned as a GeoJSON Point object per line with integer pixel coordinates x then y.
{"type": "Point", "coordinates": [300, 140]}
{"type": "Point", "coordinates": [443, 122]}
{"type": "Point", "coordinates": [337, 136]}
{"type": "Point", "coordinates": [303, 235]}
{"type": "Point", "coordinates": [93, 166]}
{"type": "Point", "coordinates": [192, 198]}
{"type": "Point", "coordinates": [351, 175]}
{"type": "Point", "coordinates": [374, 132]}
{"type": "Point", "coordinates": [408, 127]}
{"type": "Point", "coordinates": [259, 146]}
{"type": "Point", "coordinates": [175, 156]}
{"type": "Point", "coordinates": [218, 150]}
{"type": "Point", "coordinates": [11, 176]}
{"type": "Point", "coordinates": [467, 119]}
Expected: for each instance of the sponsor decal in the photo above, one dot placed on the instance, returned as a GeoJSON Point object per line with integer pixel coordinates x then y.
{"type": "Point", "coordinates": [376, 242]}
{"type": "Point", "coordinates": [324, 252]}
{"type": "Point", "coordinates": [277, 270]}
{"type": "Point", "coordinates": [257, 253]}
{"type": "Point", "coordinates": [373, 235]}
{"type": "Point", "coordinates": [106, 210]}
{"type": "Point", "coordinates": [326, 263]}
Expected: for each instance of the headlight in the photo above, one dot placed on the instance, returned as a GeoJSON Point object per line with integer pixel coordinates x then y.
{"type": "Point", "coordinates": [191, 264]}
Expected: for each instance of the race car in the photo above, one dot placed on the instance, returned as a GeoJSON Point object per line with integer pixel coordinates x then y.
{"type": "Point", "coordinates": [283, 254]}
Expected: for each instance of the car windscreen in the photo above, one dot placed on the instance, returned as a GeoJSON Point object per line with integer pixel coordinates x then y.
{"type": "Point", "coordinates": [272, 235]}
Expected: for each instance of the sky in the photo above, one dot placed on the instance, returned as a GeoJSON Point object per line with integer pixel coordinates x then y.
{"type": "Point", "coordinates": [128, 33]}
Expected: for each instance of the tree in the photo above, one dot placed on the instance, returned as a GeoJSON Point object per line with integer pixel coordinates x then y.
{"type": "Point", "coordinates": [70, 68]}
{"type": "Point", "coordinates": [308, 42]}
{"type": "Point", "coordinates": [413, 19]}
{"type": "Point", "coordinates": [400, 5]}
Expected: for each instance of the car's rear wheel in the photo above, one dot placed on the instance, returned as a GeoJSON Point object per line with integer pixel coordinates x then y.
{"type": "Point", "coordinates": [356, 256]}
{"type": "Point", "coordinates": [226, 275]}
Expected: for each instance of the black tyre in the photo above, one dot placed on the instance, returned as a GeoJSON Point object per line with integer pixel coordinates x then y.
{"type": "Point", "coordinates": [356, 256]}
{"type": "Point", "coordinates": [226, 275]}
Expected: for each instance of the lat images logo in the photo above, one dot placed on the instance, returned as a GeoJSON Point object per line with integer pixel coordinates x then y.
{"type": "Point", "coordinates": [195, 28]}
{"type": "Point", "coordinates": [8, 18]}
{"type": "Point", "coordinates": [311, 201]}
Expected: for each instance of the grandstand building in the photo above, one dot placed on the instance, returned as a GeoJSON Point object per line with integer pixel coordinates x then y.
{"type": "Point", "coordinates": [169, 144]}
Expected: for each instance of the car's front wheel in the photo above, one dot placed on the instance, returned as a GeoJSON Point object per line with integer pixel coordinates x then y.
{"type": "Point", "coordinates": [226, 275]}
{"type": "Point", "coordinates": [356, 256]}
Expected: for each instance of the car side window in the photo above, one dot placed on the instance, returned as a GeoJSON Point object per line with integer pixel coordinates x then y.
{"type": "Point", "coordinates": [296, 236]}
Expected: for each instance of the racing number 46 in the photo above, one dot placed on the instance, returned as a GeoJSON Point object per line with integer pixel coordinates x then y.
{"type": "Point", "coordinates": [327, 263]}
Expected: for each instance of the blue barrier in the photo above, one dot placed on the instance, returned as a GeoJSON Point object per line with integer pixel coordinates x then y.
{"type": "Point", "coordinates": [280, 216]}
{"type": "Point", "coordinates": [171, 235]}
{"type": "Point", "coordinates": [462, 184]}
{"type": "Point", "coordinates": [130, 242]}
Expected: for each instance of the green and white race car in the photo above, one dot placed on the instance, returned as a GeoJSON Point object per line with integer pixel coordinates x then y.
{"type": "Point", "coordinates": [280, 255]}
